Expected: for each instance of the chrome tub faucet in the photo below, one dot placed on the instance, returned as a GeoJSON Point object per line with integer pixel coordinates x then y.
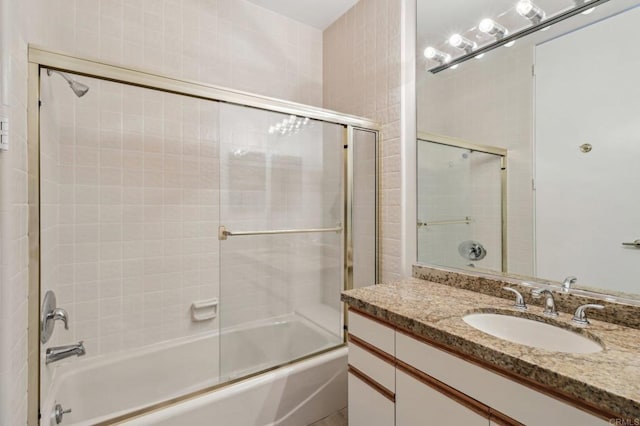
{"type": "Point", "coordinates": [61, 352]}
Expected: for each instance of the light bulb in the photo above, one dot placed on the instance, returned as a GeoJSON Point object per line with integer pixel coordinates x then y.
{"type": "Point", "coordinates": [511, 43]}
{"type": "Point", "coordinates": [527, 9]}
{"type": "Point", "coordinates": [491, 27]}
{"type": "Point", "coordinates": [582, 3]}
{"type": "Point", "coordinates": [462, 43]}
{"type": "Point", "coordinates": [436, 55]}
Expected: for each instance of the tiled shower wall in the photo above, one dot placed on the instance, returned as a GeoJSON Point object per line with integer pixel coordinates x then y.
{"type": "Point", "coordinates": [362, 76]}
{"type": "Point", "coordinates": [225, 42]}
{"type": "Point", "coordinates": [136, 212]}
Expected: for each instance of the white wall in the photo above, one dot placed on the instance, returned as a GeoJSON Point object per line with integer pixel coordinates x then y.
{"type": "Point", "coordinates": [587, 203]}
{"type": "Point", "coordinates": [229, 42]}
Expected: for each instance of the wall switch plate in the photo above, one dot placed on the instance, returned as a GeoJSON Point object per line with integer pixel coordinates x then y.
{"type": "Point", "coordinates": [4, 134]}
{"type": "Point", "coordinates": [4, 127]}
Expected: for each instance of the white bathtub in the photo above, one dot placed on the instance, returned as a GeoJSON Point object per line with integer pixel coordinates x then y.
{"type": "Point", "coordinates": [105, 387]}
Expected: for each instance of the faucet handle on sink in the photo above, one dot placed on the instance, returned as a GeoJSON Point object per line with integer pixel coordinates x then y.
{"type": "Point", "coordinates": [520, 305]}
{"type": "Point", "coordinates": [580, 316]}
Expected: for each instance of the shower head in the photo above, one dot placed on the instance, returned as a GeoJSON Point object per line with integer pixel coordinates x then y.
{"type": "Point", "coordinates": [78, 88]}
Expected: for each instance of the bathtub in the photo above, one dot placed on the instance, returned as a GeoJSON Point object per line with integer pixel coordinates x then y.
{"type": "Point", "coordinates": [103, 388]}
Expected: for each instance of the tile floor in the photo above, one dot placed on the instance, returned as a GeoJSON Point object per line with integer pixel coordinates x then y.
{"type": "Point", "coordinates": [337, 419]}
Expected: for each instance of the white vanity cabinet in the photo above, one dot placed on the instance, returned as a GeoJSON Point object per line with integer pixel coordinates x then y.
{"type": "Point", "coordinates": [397, 379]}
{"type": "Point", "coordinates": [501, 394]}
{"type": "Point", "coordinates": [367, 406]}
{"type": "Point", "coordinates": [371, 372]}
{"type": "Point", "coordinates": [419, 404]}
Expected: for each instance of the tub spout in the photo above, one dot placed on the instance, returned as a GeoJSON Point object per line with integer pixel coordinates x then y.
{"type": "Point", "coordinates": [61, 352]}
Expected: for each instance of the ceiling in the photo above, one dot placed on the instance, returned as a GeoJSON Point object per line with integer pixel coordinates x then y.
{"type": "Point", "coordinates": [316, 13]}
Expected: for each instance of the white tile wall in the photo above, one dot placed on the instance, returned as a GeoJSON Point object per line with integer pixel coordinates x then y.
{"type": "Point", "coordinates": [14, 213]}
{"type": "Point", "coordinates": [231, 43]}
{"type": "Point", "coordinates": [362, 76]}
{"type": "Point", "coordinates": [137, 212]}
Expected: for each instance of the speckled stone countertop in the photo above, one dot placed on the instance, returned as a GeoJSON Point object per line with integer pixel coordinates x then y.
{"type": "Point", "coordinates": [609, 380]}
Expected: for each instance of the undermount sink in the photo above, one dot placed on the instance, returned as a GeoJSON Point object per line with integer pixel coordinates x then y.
{"type": "Point", "coordinates": [532, 333]}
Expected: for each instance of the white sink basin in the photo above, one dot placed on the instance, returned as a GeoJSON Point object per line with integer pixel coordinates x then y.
{"type": "Point", "coordinates": [532, 333]}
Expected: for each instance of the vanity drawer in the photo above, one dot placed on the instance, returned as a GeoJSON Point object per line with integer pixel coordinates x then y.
{"type": "Point", "coordinates": [375, 333]}
{"type": "Point", "coordinates": [505, 395]}
{"type": "Point", "coordinates": [379, 369]}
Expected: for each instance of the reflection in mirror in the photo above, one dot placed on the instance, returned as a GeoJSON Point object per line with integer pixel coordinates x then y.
{"type": "Point", "coordinates": [563, 103]}
{"type": "Point", "coordinates": [460, 203]}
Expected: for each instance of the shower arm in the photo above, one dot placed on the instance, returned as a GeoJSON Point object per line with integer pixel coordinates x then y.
{"type": "Point", "coordinates": [61, 74]}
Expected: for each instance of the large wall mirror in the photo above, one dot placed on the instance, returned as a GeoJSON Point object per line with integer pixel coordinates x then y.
{"type": "Point", "coordinates": [528, 150]}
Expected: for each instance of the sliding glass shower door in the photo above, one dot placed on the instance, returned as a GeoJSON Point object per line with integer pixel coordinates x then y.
{"type": "Point", "coordinates": [185, 240]}
{"type": "Point", "coordinates": [281, 238]}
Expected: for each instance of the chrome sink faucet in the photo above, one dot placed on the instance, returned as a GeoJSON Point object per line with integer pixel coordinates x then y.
{"type": "Point", "coordinates": [61, 352]}
{"type": "Point", "coordinates": [568, 283]}
{"type": "Point", "coordinates": [549, 305]}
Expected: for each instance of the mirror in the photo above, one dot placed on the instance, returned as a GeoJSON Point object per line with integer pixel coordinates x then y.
{"type": "Point", "coordinates": [527, 157]}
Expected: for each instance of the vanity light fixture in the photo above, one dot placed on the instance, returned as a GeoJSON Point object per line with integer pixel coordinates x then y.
{"type": "Point", "coordinates": [491, 27]}
{"type": "Point", "coordinates": [462, 43]}
{"type": "Point", "coordinates": [582, 3]}
{"type": "Point", "coordinates": [529, 10]}
{"type": "Point", "coordinates": [437, 55]}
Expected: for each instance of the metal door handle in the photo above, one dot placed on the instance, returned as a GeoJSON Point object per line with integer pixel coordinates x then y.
{"type": "Point", "coordinates": [635, 244]}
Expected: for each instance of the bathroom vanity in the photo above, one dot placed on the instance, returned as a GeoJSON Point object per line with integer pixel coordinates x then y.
{"type": "Point", "coordinates": [414, 360]}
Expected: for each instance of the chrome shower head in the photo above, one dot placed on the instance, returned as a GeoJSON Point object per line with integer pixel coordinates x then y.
{"type": "Point", "coordinates": [78, 88]}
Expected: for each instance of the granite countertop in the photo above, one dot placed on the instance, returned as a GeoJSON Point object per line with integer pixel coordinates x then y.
{"type": "Point", "coordinates": [609, 379]}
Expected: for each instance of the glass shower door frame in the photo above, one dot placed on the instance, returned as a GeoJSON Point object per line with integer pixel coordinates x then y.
{"type": "Point", "coordinates": [39, 59]}
{"type": "Point", "coordinates": [502, 153]}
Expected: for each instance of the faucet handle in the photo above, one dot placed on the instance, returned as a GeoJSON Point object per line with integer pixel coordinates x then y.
{"type": "Point", "coordinates": [580, 316]}
{"type": "Point", "coordinates": [59, 412]}
{"type": "Point", "coordinates": [59, 314]}
{"type": "Point", "coordinates": [50, 313]}
{"type": "Point", "coordinates": [520, 304]}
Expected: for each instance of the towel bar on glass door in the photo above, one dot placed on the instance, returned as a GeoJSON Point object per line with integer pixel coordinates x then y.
{"type": "Point", "coordinates": [466, 220]}
{"type": "Point", "coordinates": [223, 232]}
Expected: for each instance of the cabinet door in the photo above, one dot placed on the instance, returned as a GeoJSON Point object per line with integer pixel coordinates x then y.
{"type": "Point", "coordinates": [367, 406]}
{"type": "Point", "coordinates": [419, 404]}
